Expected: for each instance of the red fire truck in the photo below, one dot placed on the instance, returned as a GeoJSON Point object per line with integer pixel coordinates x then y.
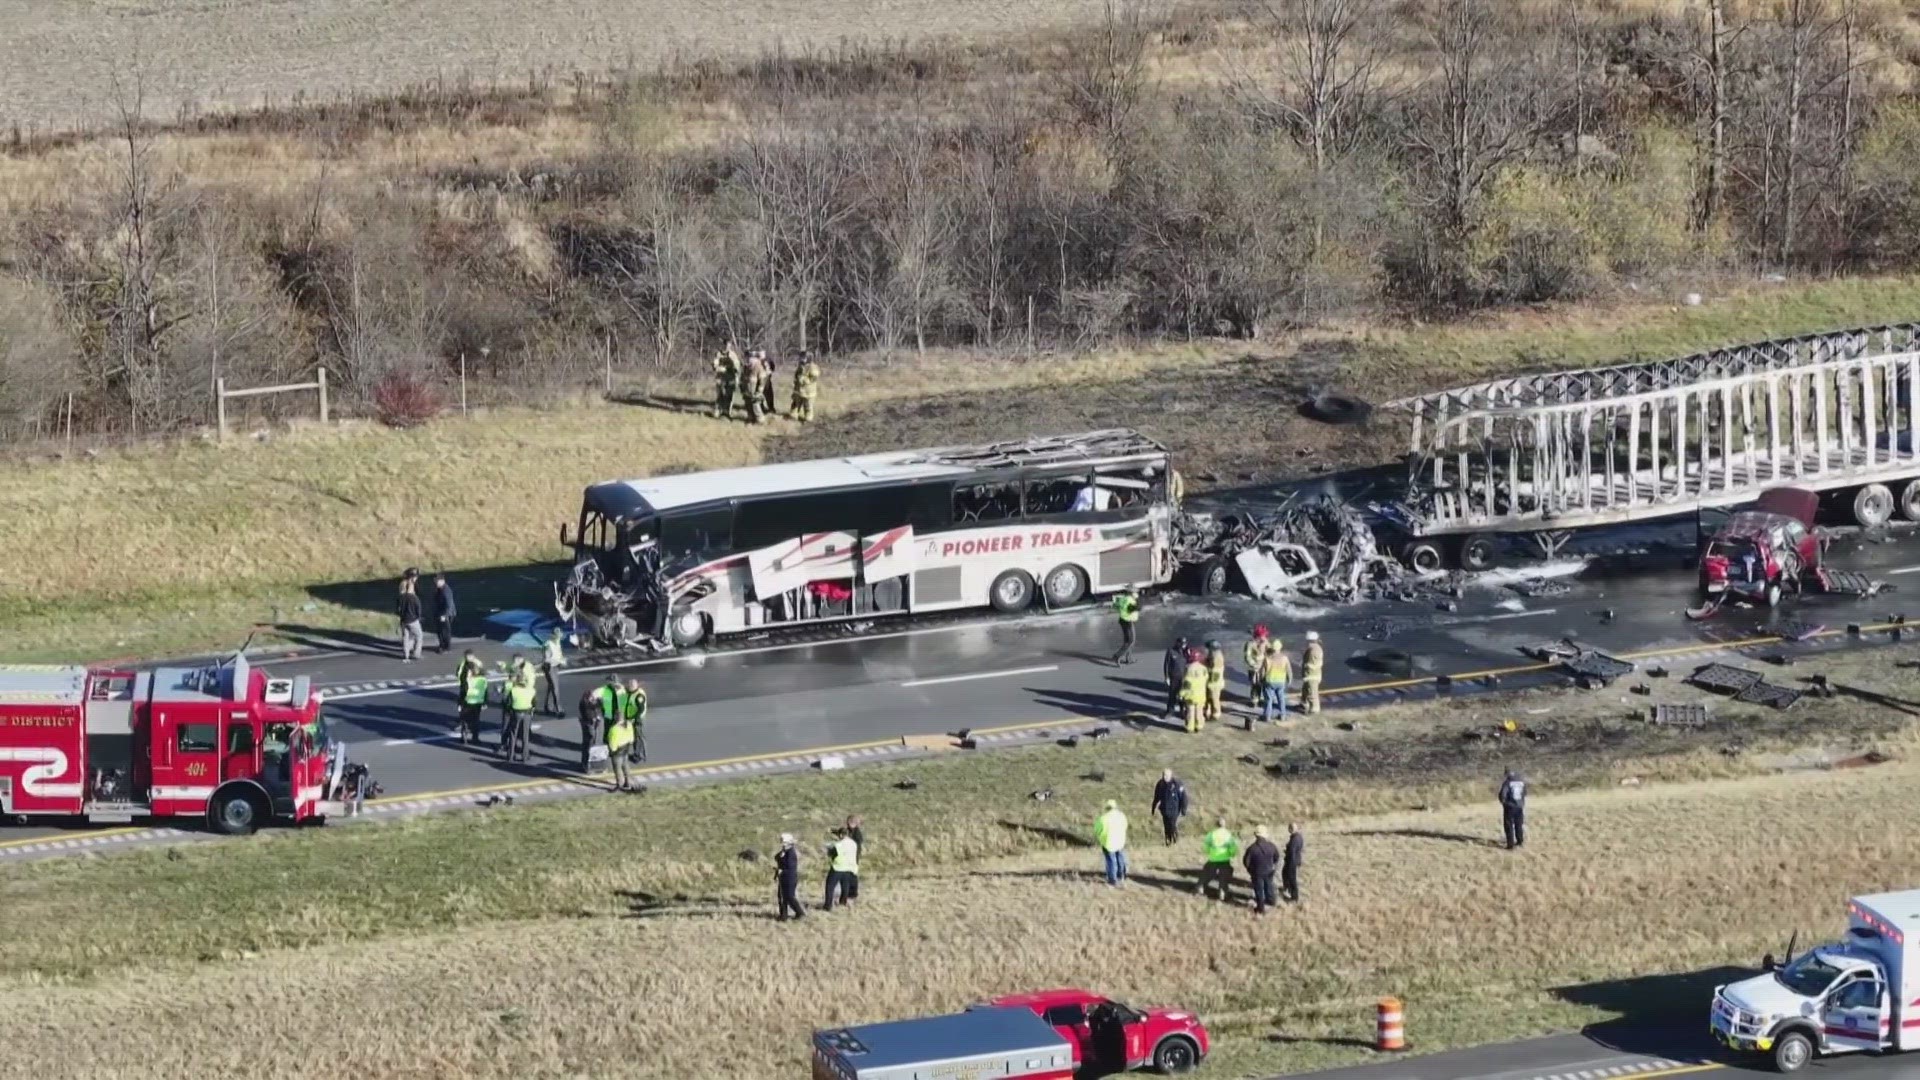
{"type": "Point", "coordinates": [225, 743]}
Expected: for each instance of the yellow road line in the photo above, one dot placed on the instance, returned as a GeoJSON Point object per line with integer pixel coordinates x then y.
{"type": "Point", "coordinates": [120, 831]}
{"type": "Point", "coordinates": [1678, 1070]}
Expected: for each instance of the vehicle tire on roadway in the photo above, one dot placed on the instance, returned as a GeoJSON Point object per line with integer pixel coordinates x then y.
{"type": "Point", "coordinates": [1175, 1054]}
{"type": "Point", "coordinates": [1011, 591]}
{"type": "Point", "coordinates": [1872, 506]}
{"type": "Point", "coordinates": [1479, 552]}
{"type": "Point", "coordinates": [1065, 584]}
{"type": "Point", "coordinates": [1424, 556]}
{"type": "Point", "coordinates": [687, 629]}
{"type": "Point", "coordinates": [236, 813]}
{"type": "Point", "coordinates": [1910, 501]}
{"type": "Point", "coordinates": [1213, 576]}
{"type": "Point", "coordinates": [1792, 1052]}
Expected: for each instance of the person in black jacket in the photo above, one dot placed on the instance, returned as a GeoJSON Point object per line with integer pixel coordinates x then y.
{"type": "Point", "coordinates": [786, 875]}
{"type": "Point", "coordinates": [408, 610]}
{"type": "Point", "coordinates": [1172, 666]}
{"type": "Point", "coordinates": [1513, 809]}
{"type": "Point", "coordinates": [1261, 859]}
{"type": "Point", "coordinates": [1290, 866]}
{"type": "Point", "coordinates": [443, 611]}
{"type": "Point", "coordinates": [1170, 802]}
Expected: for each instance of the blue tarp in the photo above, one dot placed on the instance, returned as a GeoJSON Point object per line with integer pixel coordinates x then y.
{"type": "Point", "coordinates": [521, 629]}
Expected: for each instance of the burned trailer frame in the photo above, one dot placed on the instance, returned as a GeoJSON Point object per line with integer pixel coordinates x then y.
{"type": "Point", "coordinates": [1545, 455]}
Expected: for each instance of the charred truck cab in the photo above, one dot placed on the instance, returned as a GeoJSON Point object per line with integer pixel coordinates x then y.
{"type": "Point", "coordinates": [673, 560]}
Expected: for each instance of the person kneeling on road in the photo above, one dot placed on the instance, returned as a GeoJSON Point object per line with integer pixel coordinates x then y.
{"type": "Point", "coordinates": [1221, 846]}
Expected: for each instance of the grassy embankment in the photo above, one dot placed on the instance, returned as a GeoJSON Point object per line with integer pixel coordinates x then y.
{"type": "Point", "coordinates": [500, 943]}
{"type": "Point", "coordinates": [183, 546]}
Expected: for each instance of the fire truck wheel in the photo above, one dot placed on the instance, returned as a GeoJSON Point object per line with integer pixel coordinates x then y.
{"type": "Point", "coordinates": [1011, 591]}
{"type": "Point", "coordinates": [1479, 552]}
{"type": "Point", "coordinates": [1910, 501]}
{"type": "Point", "coordinates": [1065, 584]}
{"type": "Point", "coordinates": [1175, 1054]}
{"type": "Point", "coordinates": [1872, 506]}
{"type": "Point", "coordinates": [236, 813]}
{"type": "Point", "coordinates": [1792, 1052]}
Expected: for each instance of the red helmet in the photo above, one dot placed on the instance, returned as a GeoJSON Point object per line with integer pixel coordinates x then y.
{"type": "Point", "coordinates": [1260, 630]}
{"type": "Point", "coordinates": [1195, 656]}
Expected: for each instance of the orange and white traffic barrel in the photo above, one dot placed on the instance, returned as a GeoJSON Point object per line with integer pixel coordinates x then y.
{"type": "Point", "coordinates": [1391, 1035]}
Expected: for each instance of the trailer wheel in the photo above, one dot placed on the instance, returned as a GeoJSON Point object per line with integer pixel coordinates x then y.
{"type": "Point", "coordinates": [1011, 591]}
{"type": "Point", "coordinates": [1424, 556]}
{"type": "Point", "coordinates": [1910, 501]}
{"type": "Point", "coordinates": [1792, 1052]}
{"type": "Point", "coordinates": [236, 813]}
{"type": "Point", "coordinates": [1479, 552]}
{"type": "Point", "coordinates": [1175, 1054]}
{"type": "Point", "coordinates": [1872, 506]}
{"type": "Point", "coordinates": [688, 628]}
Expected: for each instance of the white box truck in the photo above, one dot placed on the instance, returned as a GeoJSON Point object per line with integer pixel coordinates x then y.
{"type": "Point", "coordinates": [1862, 993]}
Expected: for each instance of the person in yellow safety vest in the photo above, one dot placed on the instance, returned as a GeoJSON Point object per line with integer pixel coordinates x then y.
{"type": "Point", "coordinates": [806, 383]}
{"type": "Point", "coordinates": [1313, 664]}
{"type": "Point", "coordinates": [843, 868]}
{"type": "Point", "coordinates": [473, 699]}
{"type": "Point", "coordinates": [1279, 674]}
{"type": "Point", "coordinates": [1193, 692]}
{"type": "Point", "coordinates": [619, 735]}
{"type": "Point", "coordinates": [553, 657]}
{"type": "Point", "coordinates": [520, 700]}
{"type": "Point", "coordinates": [1255, 655]}
{"type": "Point", "coordinates": [1126, 607]}
{"type": "Point", "coordinates": [1110, 832]}
{"type": "Point", "coordinates": [470, 666]}
{"type": "Point", "coordinates": [1221, 847]}
{"type": "Point", "coordinates": [1216, 679]}
{"type": "Point", "coordinates": [636, 711]}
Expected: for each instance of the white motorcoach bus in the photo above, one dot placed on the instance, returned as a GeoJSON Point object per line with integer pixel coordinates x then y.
{"type": "Point", "coordinates": [1006, 525]}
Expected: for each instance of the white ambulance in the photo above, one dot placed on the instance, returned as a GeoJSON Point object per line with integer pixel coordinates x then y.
{"type": "Point", "coordinates": [1862, 993]}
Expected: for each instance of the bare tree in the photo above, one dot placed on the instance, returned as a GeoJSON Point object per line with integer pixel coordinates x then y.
{"type": "Point", "coordinates": [1713, 60]}
{"type": "Point", "coordinates": [1481, 111]}
{"type": "Point", "coordinates": [1103, 85]}
{"type": "Point", "coordinates": [144, 309]}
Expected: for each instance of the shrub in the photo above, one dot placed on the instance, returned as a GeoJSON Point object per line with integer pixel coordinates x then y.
{"type": "Point", "coordinates": [402, 399]}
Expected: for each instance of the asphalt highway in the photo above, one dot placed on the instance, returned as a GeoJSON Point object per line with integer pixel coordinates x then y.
{"type": "Point", "coordinates": [780, 701]}
{"type": "Point", "coordinates": [1619, 1055]}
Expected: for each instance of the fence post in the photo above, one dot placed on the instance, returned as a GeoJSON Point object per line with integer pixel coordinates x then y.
{"type": "Point", "coordinates": [220, 406]}
{"type": "Point", "coordinates": [463, 384]}
{"type": "Point", "coordinates": [69, 420]}
{"type": "Point", "coordinates": [1029, 324]}
{"type": "Point", "coordinates": [609, 390]}
{"type": "Point", "coordinates": [323, 393]}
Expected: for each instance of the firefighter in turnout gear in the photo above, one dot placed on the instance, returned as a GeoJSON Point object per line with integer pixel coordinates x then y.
{"type": "Point", "coordinates": [726, 380]}
{"type": "Point", "coordinates": [1221, 847]}
{"type": "Point", "coordinates": [1216, 679]}
{"type": "Point", "coordinates": [1313, 664]}
{"type": "Point", "coordinates": [635, 710]}
{"type": "Point", "coordinates": [1193, 691]}
{"type": "Point", "coordinates": [806, 382]}
{"type": "Point", "coordinates": [753, 380]}
{"type": "Point", "coordinates": [1255, 655]}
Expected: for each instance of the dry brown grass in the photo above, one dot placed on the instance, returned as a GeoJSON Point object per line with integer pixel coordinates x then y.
{"type": "Point", "coordinates": [620, 937]}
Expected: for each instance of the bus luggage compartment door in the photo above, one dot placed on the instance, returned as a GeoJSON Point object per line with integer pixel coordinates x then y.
{"type": "Point", "coordinates": [889, 554]}
{"type": "Point", "coordinates": [795, 563]}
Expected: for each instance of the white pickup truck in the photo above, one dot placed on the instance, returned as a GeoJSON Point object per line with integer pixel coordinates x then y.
{"type": "Point", "coordinates": [1862, 993]}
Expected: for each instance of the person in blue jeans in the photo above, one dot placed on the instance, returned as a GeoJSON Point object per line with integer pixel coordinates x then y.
{"type": "Point", "coordinates": [1273, 706]}
{"type": "Point", "coordinates": [1110, 832]}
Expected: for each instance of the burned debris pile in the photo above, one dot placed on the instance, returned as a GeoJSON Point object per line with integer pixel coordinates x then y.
{"type": "Point", "coordinates": [1319, 547]}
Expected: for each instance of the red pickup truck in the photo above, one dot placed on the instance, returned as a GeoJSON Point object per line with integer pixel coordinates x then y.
{"type": "Point", "coordinates": [1108, 1036]}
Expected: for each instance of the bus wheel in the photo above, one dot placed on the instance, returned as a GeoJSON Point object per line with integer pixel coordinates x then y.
{"type": "Point", "coordinates": [1012, 591]}
{"type": "Point", "coordinates": [1065, 584]}
{"type": "Point", "coordinates": [689, 628]}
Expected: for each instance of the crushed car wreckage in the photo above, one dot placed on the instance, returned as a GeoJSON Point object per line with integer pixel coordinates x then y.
{"type": "Point", "coordinates": [1319, 547]}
